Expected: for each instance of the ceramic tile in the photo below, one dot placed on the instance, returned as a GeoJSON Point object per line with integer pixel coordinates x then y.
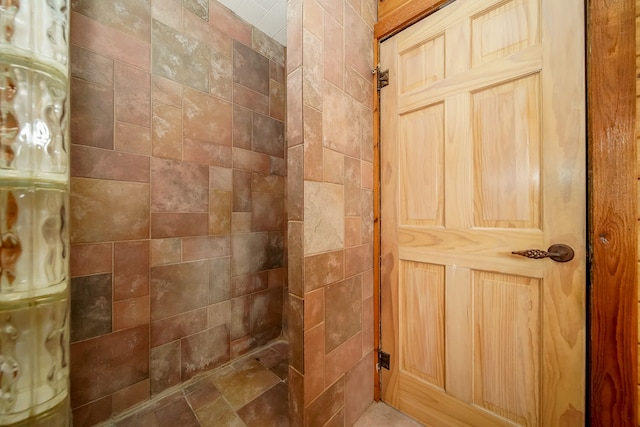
{"type": "Point", "coordinates": [179, 186]}
{"type": "Point", "coordinates": [366, 202]}
{"type": "Point", "coordinates": [265, 310]}
{"type": "Point", "coordinates": [295, 252]}
{"type": "Point", "coordinates": [313, 152]}
{"type": "Point", "coordinates": [358, 52]}
{"type": "Point", "coordinates": [173, 328]}
{"type": "Point", "coordinates": [92, 119]}
{"type": "Point", "coordinates": [379, 414]}
{"type": "Point", "coordinates": [251, 161]}
{"type": "Point", "coordinates": [313, 18]}
{"type": "Point", "coordinates": [179, 58]}
{"type": "Point", "coordinates": [296, 398]}
{"type": "Point", "coordinates": [343, 311]}
{"type": "Point", "coordinates": [199, 29]}
{"type": "Point", "coordinates": [220, 206]}
{"type": "Point", "coordinates": [267, 46]}
{"type": "Point", "coordinates": [179, 224]}
{"type": "Point", "coordinates": [92, 413]}
{"type": "Point", "coordinates": [294, 35]}
{"type": "Point", "coordinates": [165, 251]}
{"type": "Point", "coordinates": [241, 191]}
{"type": "Point", "coordinates": [313, 308]}
{"type": "Point", "coordinates": [92, 35]}
{"type": "Point", "coordinates": [295, 183]}
{"type": "Point", "coordinates": [270, 408]}
{"type": "Point", "coordinates": [198, 7]}
{"type": "Point", "coordinates": [268, 135]}
{"type": "Point", "coordinates": [333, 51]}
{"type": "Point", "coordinates": [343, 358]}
{"type": "Point", "coordinates": [90, 66]}
{"type": "Point", "coordinates": [166, 91]}
{"type": "Point", "coordinates": [250, 69]}
{"type": "Point", "coordinates": [218, 413]}
{"type": "Point", "coordinates": [359, 87]}
{"type": "Point", "coordinates": [244, 382]}
{"type": "Point", "coordinates": [91, 259]}
{"type": "Point", "coordinates": [91, 306]}
{"type": "Point", "coordinates": [323, 228]}
{"type": "Point", "coordinates": [131, 269]}
{"type": "Point", "coordinates": [225, 20]}
{"type": "Point", "coordinates": [219, 314]}
{"type": "Point", "coordinates": [352, 231]}
{"type": "Point", "coordinates": [178, 288]}
{"type": "Point", "coordinates": [358, 259]}
{"type": "Point", "coordinates": [242, 346]}
{"type": "Point", "coordinates": [314, 362]}
{"type": "Point", "coordinates": [313, 70]}
{"type": "Point", "coordinates": [267, 212]}
{"type": "Point", "coordinates": [249, 283]}
{"type": "Point", "coordinates": [352, 185]}
{"type": "Point", "coordinates": [358, 389]}
{"type": "Point", "coordinates": [130, 313]}
{"type": "Point", "coordinates": [323, 269]}
{"type": "Point", "coordinates": [90, 162]}
{"type": "Point", "coordinates": [219, 280]}
{"type": "Point", "coordinates": [206, 118]}
{"type": "Point", "coordinates": [322, 409]}
{"type": "Point", "coordinates": [204, 351]}
{"type": "Point", "coordinates": [201, 393]}
{"type": "Point", "coordinates": [340, 122]}
{"type": "Point", "coordinates": [368, 325]}
{"type": "Point", "coordinates": [207, 153]}
{"type": "Point", "coordinates": [267, 183]}
{"type": "Point", "coordinates": [250, 99]}
{"type": "Point", "coordinates": [165, 367]}
{"type": "Point", "coordinates": [253, 252]}
{"type": "Point", "coordinates": [132, 17]}
{"type": "Point", "coordinates": [277, 72]}
{"type": "Point", "coordinates": [133, 139]}
{"type": "Point", "coordinates": [177, 413]}
{"type": "Point", "coordinates": [130, 396]}
{"type": "Point", "coordinates": [93, 362]}
{"type": "Point", "coordinates": [205, 247]}
{"type": "Point", "coordinates": [167, 131]}
{"type": "Point", "coordinates": [277, 100]}
{"type": "Point", "coordinates": [169, 12]}
{"type": "Point", "coordinates": [132, 95]}
{"type": "Point", "coordinates": [240, 317]}
{"type": "Point", "coordinates": [242, 127]}
{"type": "Point", "coordinates": [294, 108]}
{"type": "Point", "coordinates": [295, 307]}
{"type": "Point", "coordinates": [220, 178]}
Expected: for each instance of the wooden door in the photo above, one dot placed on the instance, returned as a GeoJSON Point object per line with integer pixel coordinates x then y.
{"type": "Point", "coordinates": [482, 154]}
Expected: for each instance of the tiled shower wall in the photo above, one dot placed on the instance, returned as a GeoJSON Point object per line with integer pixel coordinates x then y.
{"type": "Point", "coordinates": [330, 209]}
{"type": "Point", "coordinates": [177, 196]}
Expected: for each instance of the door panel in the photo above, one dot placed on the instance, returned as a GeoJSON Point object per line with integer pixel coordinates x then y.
{"type": "Point", "coordinates": [482, 154]}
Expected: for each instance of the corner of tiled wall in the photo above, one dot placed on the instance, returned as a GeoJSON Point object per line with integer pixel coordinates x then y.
{"type": "Point", "coordinates": [330, 209]}
{"type": "Point", "coordinates": [177, 196]}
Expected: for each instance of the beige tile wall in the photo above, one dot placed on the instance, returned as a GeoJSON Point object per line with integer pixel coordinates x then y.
{"type": "Point", "coordinates": [330, 209]}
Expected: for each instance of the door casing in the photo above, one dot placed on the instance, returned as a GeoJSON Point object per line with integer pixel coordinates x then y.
{"type": "Point", "coordinates": [612, 377]}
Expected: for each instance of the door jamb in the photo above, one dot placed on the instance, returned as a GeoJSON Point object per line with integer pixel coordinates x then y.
{"type": "Point", "coordinates": [612, 345]}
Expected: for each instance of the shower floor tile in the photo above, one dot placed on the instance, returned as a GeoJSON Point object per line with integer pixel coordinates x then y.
{"type": "Point", "coordinates": [251, 392]}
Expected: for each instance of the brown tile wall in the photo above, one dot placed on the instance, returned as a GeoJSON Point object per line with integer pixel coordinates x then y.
{"type": "Point", "coordinates": [330, 209]}
{"type": "Point", "coordinates": [177, 196]}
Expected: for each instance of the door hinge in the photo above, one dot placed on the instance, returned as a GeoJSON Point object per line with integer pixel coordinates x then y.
{"type": "Point", "coordinates": [383, 78]}
{"type": "Point", "coordinates": [384, 360]}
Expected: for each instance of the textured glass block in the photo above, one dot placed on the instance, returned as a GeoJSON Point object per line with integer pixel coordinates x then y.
{"type": "Point", "coordinates": [36, 28]}
{"type": "Point", "coordinates": [34, 135]}
{"type": "Point", "coordinates": [34, 235]}
{"type": "Point", "coordinates": [34, 358]}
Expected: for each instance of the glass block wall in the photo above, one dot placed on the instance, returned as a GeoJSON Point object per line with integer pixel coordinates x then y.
{"type": "Point", "coordinates": [34, 201]}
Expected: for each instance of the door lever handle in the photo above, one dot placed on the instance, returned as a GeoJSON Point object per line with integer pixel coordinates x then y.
{"type": "Point", "coordinates": [558, 253]}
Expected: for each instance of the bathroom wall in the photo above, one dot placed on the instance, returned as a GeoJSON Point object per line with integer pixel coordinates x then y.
{"type": "Point", "coordinates": [330, 209]}
{"type": "Point", "coordinates": [177, 196]}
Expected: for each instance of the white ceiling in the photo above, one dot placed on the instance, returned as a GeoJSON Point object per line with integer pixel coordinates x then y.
{"type": "Point", "coordinates": [269, 16]}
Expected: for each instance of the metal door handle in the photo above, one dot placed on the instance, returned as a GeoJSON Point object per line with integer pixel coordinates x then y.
{"type": "Point", "coordinates": [558, 253]}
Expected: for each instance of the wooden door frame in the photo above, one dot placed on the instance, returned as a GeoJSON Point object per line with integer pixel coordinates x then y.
{"type": "Point", "coordinates": [612, 328]}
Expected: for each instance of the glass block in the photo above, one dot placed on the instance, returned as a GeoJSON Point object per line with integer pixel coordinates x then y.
{"type": "Point", "coordinates": [34, 358]}
{"type": "Point", "coordinates": [34, 134]}
{"type": "Point", "coordinates": [34, 235]}
{"type": "Point", "coordinates": [36, 28]}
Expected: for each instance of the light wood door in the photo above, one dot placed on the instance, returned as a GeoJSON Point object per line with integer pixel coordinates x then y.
{"type": "Point", "coordinates": [482, 154]}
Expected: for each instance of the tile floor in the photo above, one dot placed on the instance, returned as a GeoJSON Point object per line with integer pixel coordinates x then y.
{"type": "Point", "coordinates": [249, 392]}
